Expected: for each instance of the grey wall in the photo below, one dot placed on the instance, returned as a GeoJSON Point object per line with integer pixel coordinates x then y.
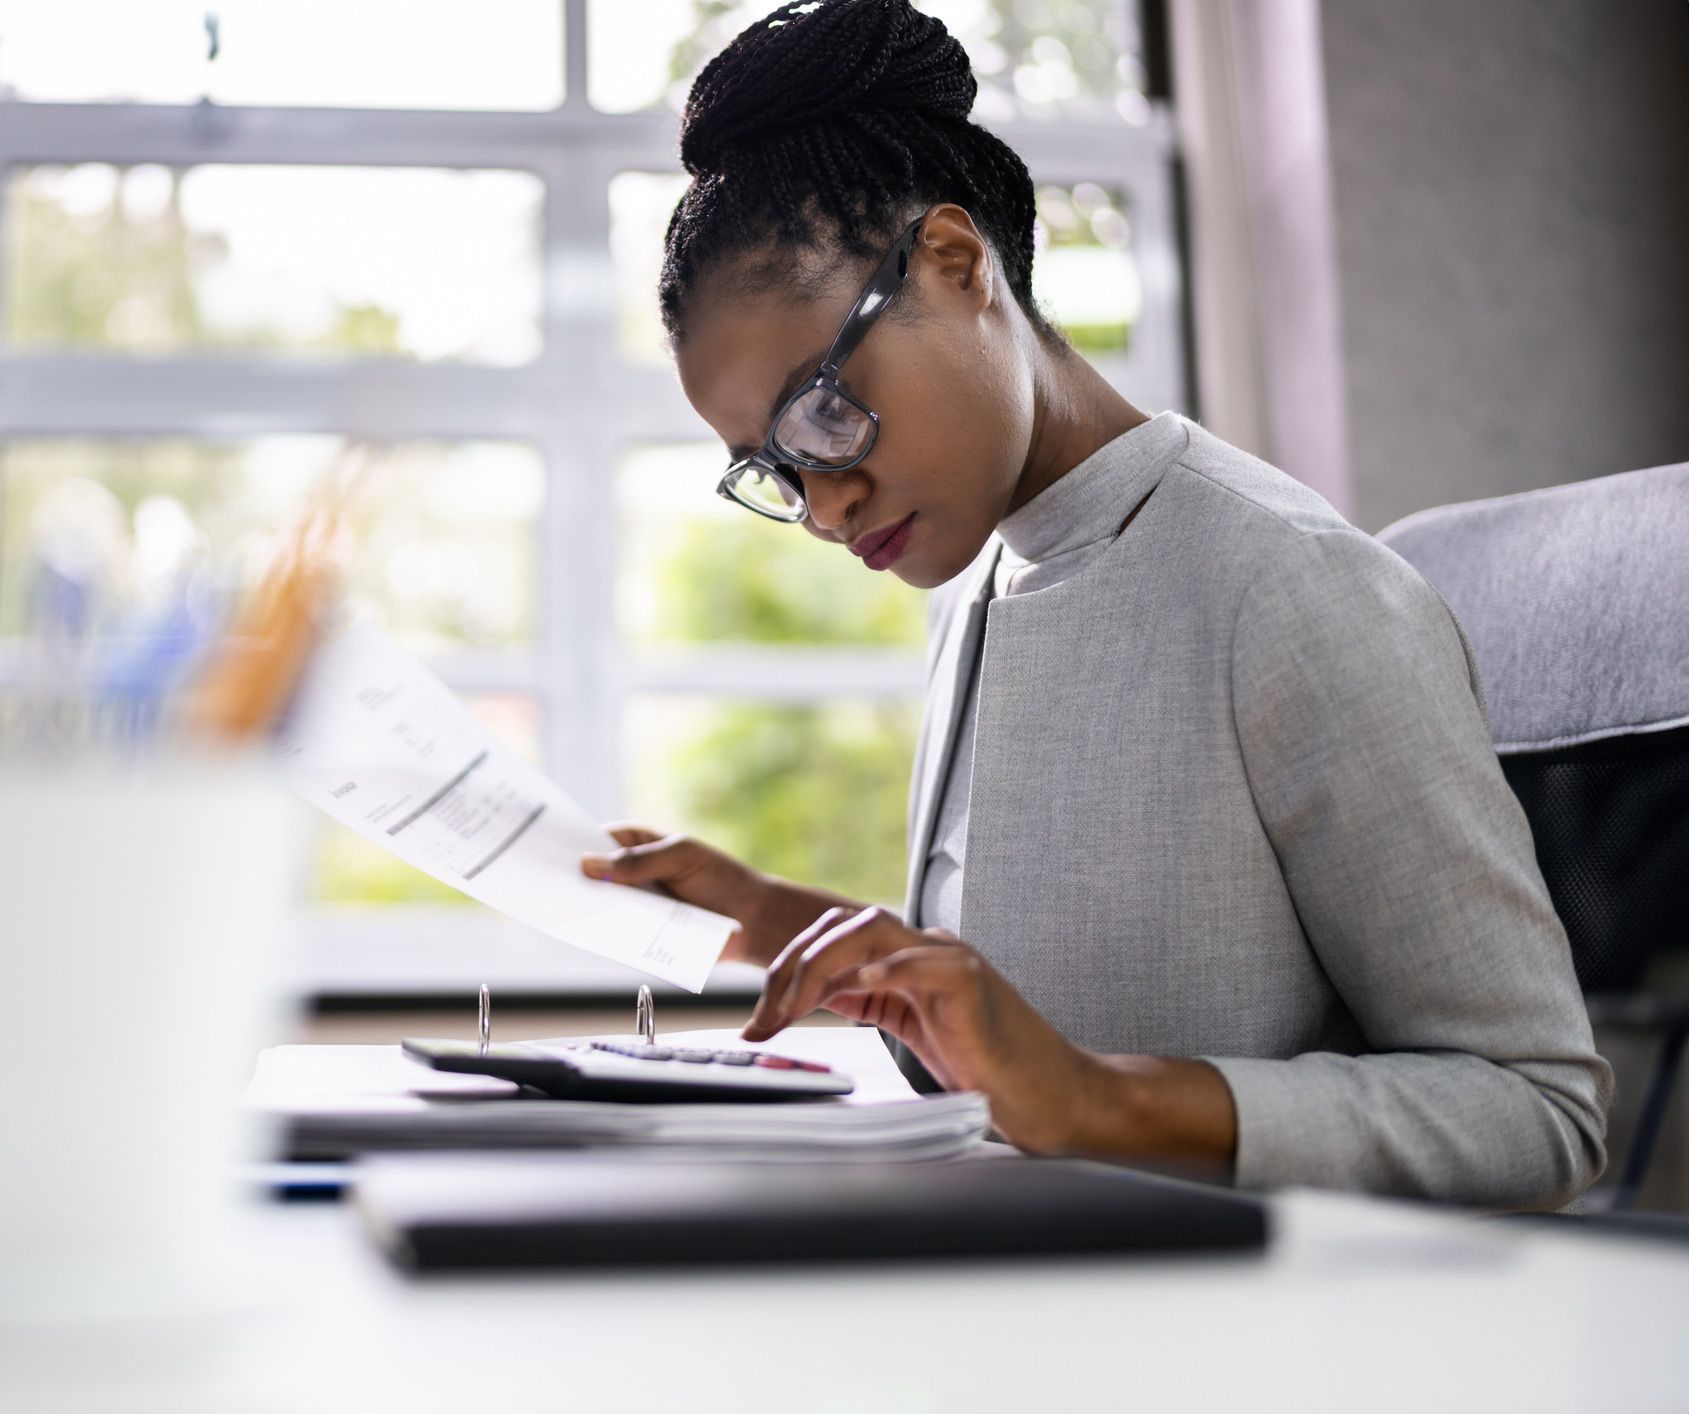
{"type": "Point", "coordinates": [1511, 186]}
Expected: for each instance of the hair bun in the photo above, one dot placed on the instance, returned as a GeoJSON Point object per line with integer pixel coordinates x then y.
{"type": "Point", "coordinates": [814, 62]}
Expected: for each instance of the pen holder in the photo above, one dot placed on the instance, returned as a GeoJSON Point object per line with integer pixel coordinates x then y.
{"type": "Point", "coordinates": [141, 906]}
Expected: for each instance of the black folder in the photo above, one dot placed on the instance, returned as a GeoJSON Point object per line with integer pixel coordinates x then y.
{"type": "Point", "coordinates": [458, 1212]}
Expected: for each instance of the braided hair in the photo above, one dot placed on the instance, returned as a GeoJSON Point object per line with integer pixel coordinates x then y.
{"type": "Point", "coordinates": [828, 126]}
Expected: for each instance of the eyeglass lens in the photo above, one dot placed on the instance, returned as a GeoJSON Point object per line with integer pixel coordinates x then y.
{"type": "Point", "coordinates": [761, 490]}
{"type": "Point", "coordinates": [821, 426]}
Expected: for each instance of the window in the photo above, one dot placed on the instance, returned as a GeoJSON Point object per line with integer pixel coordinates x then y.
{"type": "Point", "coordinates": [446, 551]}
{"type": "Point", "coordinates": [495, 54]}
{"type": "Point", "coordinates": [420, 246]}
{"type": "Point", "coordinates": [152, 260]}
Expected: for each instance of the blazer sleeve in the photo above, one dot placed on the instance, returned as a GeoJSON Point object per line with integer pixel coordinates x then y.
{"type": "Point", "coordinates": [1359, 715]}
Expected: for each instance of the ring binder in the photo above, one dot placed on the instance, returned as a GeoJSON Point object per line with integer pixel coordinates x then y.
{"type": "Point", "coordinates": [645, 1016]}
{"type": "Point", "coordinates": [486, 1018]}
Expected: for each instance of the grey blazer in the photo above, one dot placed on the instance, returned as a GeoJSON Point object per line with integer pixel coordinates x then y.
{"type": "Point", "coordinates": [1233, 796]}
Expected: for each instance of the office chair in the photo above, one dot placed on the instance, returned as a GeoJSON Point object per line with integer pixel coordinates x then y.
{"type": "Point", "coordinates": [1576, 601]}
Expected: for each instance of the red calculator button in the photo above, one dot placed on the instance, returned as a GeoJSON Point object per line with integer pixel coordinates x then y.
{"type": "Point", "coordinates": [776, 1063]}
{"type": "Point", "coordinates": [813, 1065]}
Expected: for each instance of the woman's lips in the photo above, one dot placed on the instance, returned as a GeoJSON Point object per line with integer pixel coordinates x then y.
{"type": "Point", "coordinates": [892, 546]}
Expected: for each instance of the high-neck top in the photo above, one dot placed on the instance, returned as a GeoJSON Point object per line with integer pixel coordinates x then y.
{"type": "Point", "coordinates": [1046, 541]}
{"type": "Point", "coordinates": [1059, 529]}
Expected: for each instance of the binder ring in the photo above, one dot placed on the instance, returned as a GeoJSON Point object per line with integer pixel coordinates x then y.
{"type": "Point", "coordinates": [645, 1016]}
{"type": "Point", "coordinates": [486, 1018]}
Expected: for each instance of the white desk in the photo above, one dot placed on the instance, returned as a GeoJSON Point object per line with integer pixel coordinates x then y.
{"type": "Point", "coordinates": [1358, 1305]}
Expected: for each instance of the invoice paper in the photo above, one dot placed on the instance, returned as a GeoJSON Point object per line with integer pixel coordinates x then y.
{"type": "Point", "coordinates": [386, 748]}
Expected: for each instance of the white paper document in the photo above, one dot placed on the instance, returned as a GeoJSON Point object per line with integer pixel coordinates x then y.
{"type": "Point", "coordinates": [339, 1100]}
{"type": "Point", "coordinates": [387, 749]}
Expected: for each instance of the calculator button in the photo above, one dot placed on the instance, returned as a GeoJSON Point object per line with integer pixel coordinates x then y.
{"type": "Point", "coordinates": [735, 1057]}
{"type": "Point", "coordinates": [775, 1062]}
{"type": "Point", "coordinates": [812, 1065]}
{"type": "Point", "coordinates": [639, 1052]}
{"type": "Point", "coordinates": [695, 1056]}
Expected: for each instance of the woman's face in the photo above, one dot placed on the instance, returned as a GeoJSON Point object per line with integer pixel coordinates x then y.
{"type": "Point", "coordinates": [950, 382]}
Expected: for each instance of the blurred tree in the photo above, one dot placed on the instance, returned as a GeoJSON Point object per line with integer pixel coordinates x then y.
{"type": "Point", "coordinates": [1033, 58]}
{"type": "Point", "coordinates": [87, 266]}
{"type": "Point", "coordinates": [366, 329]}
{"type": "Point", "coordinates": [348, 869]}
{"type": "Point", "coordinates": [761, 582]}
{"type": "Point", "coordinates": [81, 277]}
{"type": "Point", "coordinates": [814, 793]}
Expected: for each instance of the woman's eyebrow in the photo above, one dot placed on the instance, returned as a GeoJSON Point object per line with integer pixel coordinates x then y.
{"type": "Point", "coordinates": [800, 371]}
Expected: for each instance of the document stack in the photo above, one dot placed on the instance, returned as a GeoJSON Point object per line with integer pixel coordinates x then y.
{"type": "Point", "coordinates": [337, 1101]}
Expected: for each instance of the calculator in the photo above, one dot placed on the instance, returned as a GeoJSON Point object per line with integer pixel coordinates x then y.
{"type": "Point", "coordinates": [636, 1071]}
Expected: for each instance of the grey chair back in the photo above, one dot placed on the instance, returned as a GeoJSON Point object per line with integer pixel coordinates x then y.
{"type": "Point", "coordinates": [1576, 601]}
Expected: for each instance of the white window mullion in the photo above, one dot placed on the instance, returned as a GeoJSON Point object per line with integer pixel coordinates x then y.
{"type": "Point", "coordinates": [97, 395]}
{"type": "Point", "coordinates": [1155, 363]}
{"type": "Point", "coordinates": [576, 642]}
{"type": "Point", "coordinates": [181, 135]}
{"type": "Point", "coordinates": [576, 42]}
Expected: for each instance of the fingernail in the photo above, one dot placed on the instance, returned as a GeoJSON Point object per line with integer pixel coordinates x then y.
{"type": "Point", "coordinates": [597, 865]}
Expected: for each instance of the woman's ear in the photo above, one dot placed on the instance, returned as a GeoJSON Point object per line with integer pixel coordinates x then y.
{"type": "Point", "coordinates": [957, 253]}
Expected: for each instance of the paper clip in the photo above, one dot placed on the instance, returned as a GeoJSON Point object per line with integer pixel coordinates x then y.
{"type": "Point", "coordinates": [486, 1018]}
{"type": "Point", "coordinates": [645, 1017]}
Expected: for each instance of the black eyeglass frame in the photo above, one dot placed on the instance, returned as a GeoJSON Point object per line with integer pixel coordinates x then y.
{"type": "Point", "coordinates": [774, 459]}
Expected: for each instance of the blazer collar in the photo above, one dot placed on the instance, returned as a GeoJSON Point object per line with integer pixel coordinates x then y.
{"type": "Point", "coordinates": [946, 692]}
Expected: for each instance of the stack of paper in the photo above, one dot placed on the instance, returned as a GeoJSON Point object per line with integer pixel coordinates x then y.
{"type": "Point", "coordinates": [330, 1101]}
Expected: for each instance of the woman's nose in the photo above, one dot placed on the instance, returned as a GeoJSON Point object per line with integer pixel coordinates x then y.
{"type": "Point", "coordinates": [832, 496]}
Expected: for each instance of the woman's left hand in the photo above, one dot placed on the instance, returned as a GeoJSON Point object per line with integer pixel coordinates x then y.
{"type": "Point", "coordinates": [970, 1028]}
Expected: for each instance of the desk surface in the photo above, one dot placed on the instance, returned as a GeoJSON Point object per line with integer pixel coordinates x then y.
{"type": "Point", "coordinates": [1357, 1305]}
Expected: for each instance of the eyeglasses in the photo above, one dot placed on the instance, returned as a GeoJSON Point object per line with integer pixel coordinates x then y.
{"type": "Point", "coordinates": [820, 427]}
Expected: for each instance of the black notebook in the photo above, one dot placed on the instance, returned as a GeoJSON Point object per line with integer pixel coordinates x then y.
{"type": "Point", "coordinates": [440, 1212]}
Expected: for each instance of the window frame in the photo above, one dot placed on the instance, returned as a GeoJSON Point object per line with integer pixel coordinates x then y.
{"type": "Point", "coordinates": [579, 403]}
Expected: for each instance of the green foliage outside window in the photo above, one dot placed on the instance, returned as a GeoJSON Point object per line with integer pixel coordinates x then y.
{"type": "Point", "coordinates": [816, 793]}
{"type": "Point", "coordinates": [348, 869]}
{"type": "Point", "coordinates": [769, 583]}
{"type": "Point", "coordinates": [116, 276]}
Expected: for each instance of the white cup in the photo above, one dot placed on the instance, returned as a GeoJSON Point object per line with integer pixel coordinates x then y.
{"type": "Point", "coordinates": [141, 908]}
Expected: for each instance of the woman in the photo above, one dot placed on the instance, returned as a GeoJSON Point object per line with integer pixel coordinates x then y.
{"type": "Point", "coordinates": [1212, 861]}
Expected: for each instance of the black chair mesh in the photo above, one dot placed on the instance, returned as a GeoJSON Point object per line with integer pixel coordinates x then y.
{"type": "Point", "coordinates": [1611, 820]}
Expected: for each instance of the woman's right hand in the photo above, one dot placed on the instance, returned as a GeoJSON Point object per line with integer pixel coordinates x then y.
{"type": "Point", "coordinates": [694, 872]}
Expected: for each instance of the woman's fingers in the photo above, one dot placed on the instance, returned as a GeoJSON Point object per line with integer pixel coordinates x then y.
{"type": "Point", "coordinates": [905, 993]}
{"type": "Point", "coordinates": [845, 947]}
{"type": "Point", "coordinates": [676, 866]}
{"type": "Point", "coordinates": [838, 941]}
{"type": "Point", "coordinates": [626, 832]}
{"type": "Point", "coordinates": [920, 973]}
{"type": "Point", "coordinates": [777, 980]}
{"type": "Point", "coordinates": [815, 966]}
{"type": "Point", "coordinates": [786, 960]}
{"type": "Point", "coordinates": [673, 864]}
{"type": "Point", "coordinates": [644, 856]}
